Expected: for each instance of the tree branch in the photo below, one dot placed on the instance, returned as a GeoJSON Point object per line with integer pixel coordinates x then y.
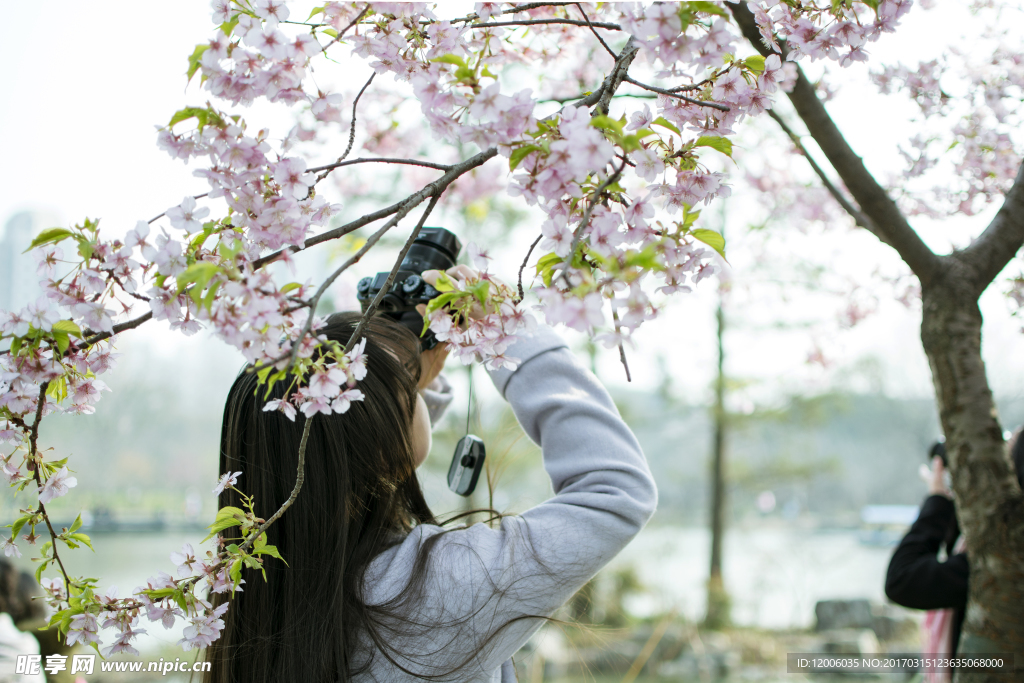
{"type": "Point", "coordinates": [1001, 240]}
{"type": "Point", "coordinates": [372, 308]}
{"type": "Point", "coordinates": [378, 160]}
{"type": "Point", "coordinates": [613, 80]}
{"type": "Point", "coordinates": [669, 93]}
{"type": "Point", "coordinates": [440, 184]}
{"type": "Point", "coordinates": [352, 127]}
{"type": "Point", "coordinates": [531, 22]}
{"type": "Point", "coordinates": [873, 200]}
{"type": "Point", "coordinates": [596, 34]}
{"type": "Point", "coordinates": [858, 216]}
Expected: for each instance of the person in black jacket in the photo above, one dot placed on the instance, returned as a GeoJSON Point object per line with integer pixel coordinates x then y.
{"type": "Point", "coordinates": [917, 578]}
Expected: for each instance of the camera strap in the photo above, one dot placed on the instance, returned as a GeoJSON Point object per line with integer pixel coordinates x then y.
{"type": "Point", "coordinates": [469, 405]}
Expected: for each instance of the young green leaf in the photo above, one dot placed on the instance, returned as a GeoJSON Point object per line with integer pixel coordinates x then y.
{"type": "Point", "coordinates": [710, 238]}
{"type": "Point", "coordinates": [755, 63]}
{"type": "Point", "coordinates": [723, 145]}
{"type": "Point", "coordinates": [520, 153]}
{"type": "Point", "coordinates": [450, 59]}
{"type": "Point", "coordinates": [49, 236]}
{"type": "Point", "coordinates": [665, 123]}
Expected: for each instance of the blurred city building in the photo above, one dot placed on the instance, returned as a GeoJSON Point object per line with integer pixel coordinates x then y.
{"type": "Point", "coordinates": [19, 283]}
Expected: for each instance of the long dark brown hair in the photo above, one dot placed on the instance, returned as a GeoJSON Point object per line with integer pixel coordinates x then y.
{"type": "Point", "coordinates": [308, 621]}
{"type": "Point", "coordinates": [360, 496]}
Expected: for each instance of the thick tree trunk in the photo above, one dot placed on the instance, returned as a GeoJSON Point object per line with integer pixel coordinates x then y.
{"type": "Point", "coordinates": [989, 504]}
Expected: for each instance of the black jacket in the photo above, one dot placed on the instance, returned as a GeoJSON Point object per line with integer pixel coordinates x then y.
{"type": "Point", "coordinates": [916, 578]}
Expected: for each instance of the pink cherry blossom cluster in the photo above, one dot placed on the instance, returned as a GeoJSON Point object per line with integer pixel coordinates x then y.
{"type": "Point", "coordinates": [479, 318]}
{"type": "Point", "coordinates": [331, 380]}
{"type": "Point", "coordinates": [821, 32]}
{"type": "Point", "coordinates": [970, 129]}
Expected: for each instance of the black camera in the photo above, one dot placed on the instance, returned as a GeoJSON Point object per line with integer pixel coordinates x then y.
{"type": "Point", "coordinates": [433, 249]}
{"type": "Point", "coordinates": [939, 448]}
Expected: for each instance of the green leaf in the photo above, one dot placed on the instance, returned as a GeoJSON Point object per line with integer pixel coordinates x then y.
{"type": "Point", "coordinates": [68, 327]}
{"type": "Point", "coordinates": [236, 571]}
{"type": "Point", "coordinates": [270, 550]}
{"type": "Point", "coordinates": [83, 538]}
{"type": "Point", "coordinates": [707, 8]}
{"type": "Point", "coordinates": [480, 290]}
{"type": "Point", "coordinates": [755, 63]}
{"type": "Point", "coordinates": [193, 61]}
{"type": "Point", "coordinates": [40, 569]}
{"type": "Point", "coordinates": [198, 274]}
{"type": "Point", "coordinates": [49, 236]}
{"type": "Point", "coordinates": [450, 59]}
{"type": "Point", "coordinates": [316, 11]}
{"type": "Point", "coordinates": [723, 145]}
{"type": "Point", "coordinates": [606, 123]}
{"type": "Point", "coordinates": [443, 300]}
{"type": "Point", "coordinates": [291, 286]}
{"type": "Point", "coordinates": [331, 32]}
{"type": "Point", "coordinates": [873, 4]}
{"type": "Point", "coordinates": [665, 123]}
{"type": "Point", "coordinates": [203, 116]}
{"type": "Point", "coordinates": [62, 340]}
{"type": "Point", "coordinates": [546, 265]}
{"type": "Point", "coordinates": [227, 517]}
{"type": "Point", "coordinates": [77, 524]}
{"type": "Point", "coordinates": [18, 524]}
{"type": "Point", "coordinates": [520, 153]}
{"type": "Point", "coordinates": [444, 283]}
{"type": "Point", "coordinates": [710, 238]}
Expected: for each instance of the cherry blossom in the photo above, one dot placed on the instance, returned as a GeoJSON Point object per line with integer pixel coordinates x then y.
{"type": "Point", "coordinates": [57, 485]}
{"type": "Point", "coordinates": [227, 480]}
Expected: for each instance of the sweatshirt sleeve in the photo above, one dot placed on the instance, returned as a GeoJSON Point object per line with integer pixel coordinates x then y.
{"type": "Point", "coordinates": [916, 578]}
{"type": "Point", "coordinates": [488, 589]}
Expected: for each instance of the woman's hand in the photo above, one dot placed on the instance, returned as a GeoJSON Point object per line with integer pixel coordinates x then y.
{"type": "Point", "coordinates": [462, 274]}
{"type": "Point", "coordinates": [937, 479]}
{"type": "Point", "coordinates": [431, 361]}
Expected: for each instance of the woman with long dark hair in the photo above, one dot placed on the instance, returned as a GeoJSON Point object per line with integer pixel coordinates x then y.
{"type": "Point", "coordinates": [375, 589]}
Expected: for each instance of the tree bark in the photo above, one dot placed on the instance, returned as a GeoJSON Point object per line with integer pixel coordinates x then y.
{"type": "Point", "coordinates": [717, 615]}
{"type": "Point", "coordinates": [989, 503]}
{"type": "Point", "coordinates": [988, 499]}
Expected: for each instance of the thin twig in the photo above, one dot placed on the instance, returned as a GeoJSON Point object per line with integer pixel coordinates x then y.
{"type": "Point", "coordinates": [372, 308]}
{"type": "Point", "coordinates": [164, 213]}
{"type": "Point", "coordinates": [596, 34]}
{"type": "Point", "coordinates": [669, 93]}
{"type": "Point", "coordinates": [526, 6]}
{"type": "Point", "coordinates": [577, 234]}
{"type": "Point", "coordinates": [522, 267]}
{"type": "Point", "coordinates": [435, 187]}
{"type": "Point", "coordinates": [531, 22]}
{"type": "Point", "coordinates": [352, 128]}
{"type": "Point", "coordinates": [300, 478]}
{"type": "Point", "coordinates": [861, 220]}
{"type": "Point", "coordinates": [622, 351]}
{"type": "Point", "coordinates": [33, 439]}
{"type": "Point", "coordinates": [345, 30]}
{"type": "Point", "coordinates": [377, 160]}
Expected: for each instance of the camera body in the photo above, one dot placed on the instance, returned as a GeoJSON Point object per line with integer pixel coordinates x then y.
{"type": "Point", "coordinates": [433, 249]}
{"type": "Point", "coordinates": [939, 448]}
{"type": "Point", "coordinates": [467, 463]}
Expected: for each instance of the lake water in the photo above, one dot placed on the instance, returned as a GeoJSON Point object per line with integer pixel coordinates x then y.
{"type": "Point", "coordinates": [773, 574]}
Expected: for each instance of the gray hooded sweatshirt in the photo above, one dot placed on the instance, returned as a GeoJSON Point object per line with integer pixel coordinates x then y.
{"type": "Point", "coordinates": [486, 590]}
